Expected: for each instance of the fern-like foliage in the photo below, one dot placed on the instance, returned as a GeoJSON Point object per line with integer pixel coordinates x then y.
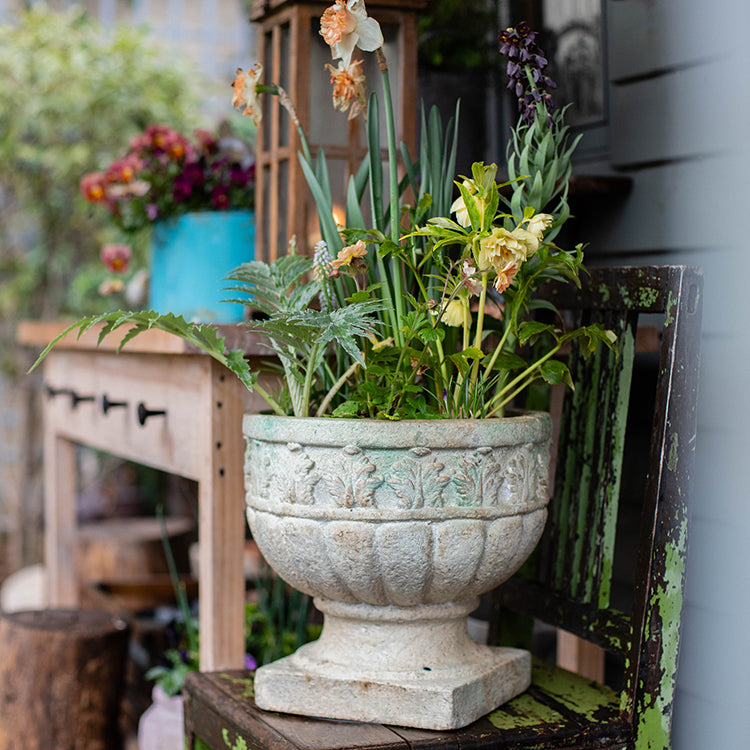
{"type": "Point", "coordinates": [201, 335]}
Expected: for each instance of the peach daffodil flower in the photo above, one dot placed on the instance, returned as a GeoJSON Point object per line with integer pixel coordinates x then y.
{"type": "Point", "coordinates": [245, 92]}
{"type": "Point", "coordinates": [350, 254]}
{"type": "Point", "coordinates": [345, 25]}
{"type": "Point", "coordinates": [349, 85]}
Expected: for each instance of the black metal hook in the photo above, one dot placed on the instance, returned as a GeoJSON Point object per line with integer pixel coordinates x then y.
{"type": "Point", "coordinates": [145, 413]}
{"type": "Point", "coordinates": [76, 399]}
{"type": "Point", "coordinates": [107, 404]}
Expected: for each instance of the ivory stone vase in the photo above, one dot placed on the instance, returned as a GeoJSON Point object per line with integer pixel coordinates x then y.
{"type": "Point", "coordinates": [396, 528]}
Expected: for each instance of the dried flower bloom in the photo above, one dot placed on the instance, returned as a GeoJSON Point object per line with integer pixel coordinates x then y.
{"type": "Point", "coordinates": [245, 92]}
{"type": "Point", "coordinates": [350, 254]}
{"type": "Point", "coordinates": [349, 87]}
{"type": "Point", "coordinates": [345, 25]}
{"type": "Point", "coordinates": [116, 257]}
{"type": "Point", "coordinates": [505, 277]}
{"type": "Point", "coordinates": [469, 275]}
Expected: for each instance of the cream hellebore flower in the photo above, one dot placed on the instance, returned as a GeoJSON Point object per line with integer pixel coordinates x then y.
{"type": "Point", "coordinates": [458, 206]}
{"type": "Point", "coordinates": [349, 86]}
{"type": "Point", "coordinates": [346, 25]}
{"type": "Point", "coordinates": [503, 247]}
{"type": "Point", "coordinates": [454, 313]}
{"type": "Point", "coordinates": [245, 93]}
{"type": "Point", "coordinates": [539, 224]}
{"type": "Point", "coordinates": [349, 255]}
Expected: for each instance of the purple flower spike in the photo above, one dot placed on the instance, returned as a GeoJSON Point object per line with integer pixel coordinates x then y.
{"type": "Point", "coordinates": [519, 46]}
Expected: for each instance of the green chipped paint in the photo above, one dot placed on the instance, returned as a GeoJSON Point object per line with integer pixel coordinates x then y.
{"type": "Point", "coordinates": [646, 296]}
{"type": "Point", "coordinates": [239, 743]}
{"type": "Point", "coordinates": [654, 715]}
{"type": "Point", "coordinates": [589, 699]}
{"type": "Point", "coordinates": [524, 711]}
{"type": "Point", "coordinates": [669, 313]}
{"type": "Point", "coordinates": [244, 687]}
{"type": "Point", "coordinates": [672, 457]}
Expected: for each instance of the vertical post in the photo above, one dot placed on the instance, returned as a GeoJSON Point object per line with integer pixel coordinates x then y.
{"type": "Point", "coordinates": [60, 515]}
{"type": "Point", "coordinates": [221, 524]}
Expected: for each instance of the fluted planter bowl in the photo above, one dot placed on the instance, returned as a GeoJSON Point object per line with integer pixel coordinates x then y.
{"type": "Point", "coordinates": [396, 528]}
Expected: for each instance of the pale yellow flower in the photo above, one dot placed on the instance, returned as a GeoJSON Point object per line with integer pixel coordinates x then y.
{"type": "Point", "coordinates": [346, 25]}
{"type": "Point", "coordinates": [539, 224]}
{"type": "Point", "coordinates": [350, 254]}
{"type": "Point", "coordinates": [349, 86]}
{"type": "Point", "coordinates": [503, 247]}
{"type": "Point", "coordinates": [245, 93]}
{"type": "Point", "coordinates": [454, 313]}
{"type": "Point", "coordinates": [459, 207]}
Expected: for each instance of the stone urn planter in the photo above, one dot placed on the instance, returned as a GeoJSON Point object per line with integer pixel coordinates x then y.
{"type": "Point", "coordinates": [396, 528]}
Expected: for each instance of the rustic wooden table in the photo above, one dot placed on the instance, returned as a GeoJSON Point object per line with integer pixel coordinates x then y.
{"type": "Point", "coordinates": [100, 398]}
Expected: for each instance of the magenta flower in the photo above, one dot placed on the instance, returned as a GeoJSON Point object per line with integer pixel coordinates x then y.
{"type": "Point", "coordinates": [116, 257]}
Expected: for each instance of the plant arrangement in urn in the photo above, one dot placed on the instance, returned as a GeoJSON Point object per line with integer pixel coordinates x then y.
{"type": "Point", "coordinates": [414, 329]}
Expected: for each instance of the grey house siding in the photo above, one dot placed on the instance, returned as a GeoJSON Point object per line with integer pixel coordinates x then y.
{"type": "Point", "coordinates": [678, 124]}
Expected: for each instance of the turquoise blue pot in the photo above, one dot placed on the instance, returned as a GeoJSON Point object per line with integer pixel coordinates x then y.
{"type": "Point", "coordinates": [190, 256]}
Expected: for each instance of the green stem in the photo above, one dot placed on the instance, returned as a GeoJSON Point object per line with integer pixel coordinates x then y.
{"type": "Point", "coordinates": [480, 327]}
{"type": "Point", "coordinates": [521, 376]}
{"type": "Point", "coordinates": [269, 399]}
{"type": "Point", "coordinates": [305, 407]}
{"type": "Point", "coordinates": [393, 178]}
{"type": "Point", "coordinates": [335, 389]}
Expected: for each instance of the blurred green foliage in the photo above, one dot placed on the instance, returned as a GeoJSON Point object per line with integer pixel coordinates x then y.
{"type": "Point", "coordinates": [73, 93]}
{"type": "Point", "coordinates": [458, 35]}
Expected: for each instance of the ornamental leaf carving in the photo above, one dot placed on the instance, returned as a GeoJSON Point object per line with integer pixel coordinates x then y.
{"type": "Point", "coordinates": [352, 479]}
{"type": "Point", "coordinates": [419, 482]}
{"type": "Point", "coordinates": [480, 479]}
{"type": "Point", "coordinates": [293, 479]}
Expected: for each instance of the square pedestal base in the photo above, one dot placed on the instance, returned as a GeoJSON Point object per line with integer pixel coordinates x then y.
{"type": "Point", "coordinates": [431, 699]}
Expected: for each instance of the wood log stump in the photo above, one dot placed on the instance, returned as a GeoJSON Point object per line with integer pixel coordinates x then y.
{"type": "Point", "coordinates": [61, 679]}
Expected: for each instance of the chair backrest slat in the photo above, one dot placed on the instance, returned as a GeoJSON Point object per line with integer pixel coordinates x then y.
{"type": "Point", "coordinates": [569, 581]}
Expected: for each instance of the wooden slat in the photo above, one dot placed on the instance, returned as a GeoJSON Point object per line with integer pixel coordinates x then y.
{"type": "Point", "coordinates": [559, 710]}
{"type": "Point", "coordinates": [38, 333]}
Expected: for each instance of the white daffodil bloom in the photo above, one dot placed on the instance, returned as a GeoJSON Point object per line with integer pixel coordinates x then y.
{"type": "Point", "coordinates": [346, 25]}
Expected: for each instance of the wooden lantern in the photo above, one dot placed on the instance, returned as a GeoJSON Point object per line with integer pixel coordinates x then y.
{"type": "Point", "coordinates": [294, 55]}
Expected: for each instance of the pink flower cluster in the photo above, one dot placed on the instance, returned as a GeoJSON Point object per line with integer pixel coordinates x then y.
{"type": "Point", "coordinates": [164, 173]}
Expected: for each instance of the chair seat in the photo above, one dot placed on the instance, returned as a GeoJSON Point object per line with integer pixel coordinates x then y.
{"type": "Point", "coordinates": [560, 710]}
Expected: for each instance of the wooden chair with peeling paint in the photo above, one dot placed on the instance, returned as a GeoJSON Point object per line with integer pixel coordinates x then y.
{"type": "Point", "coordinates": [610, 568]}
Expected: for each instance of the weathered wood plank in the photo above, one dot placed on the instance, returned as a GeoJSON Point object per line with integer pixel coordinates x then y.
{"type": "Point", "coordinates": [561, 710]}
